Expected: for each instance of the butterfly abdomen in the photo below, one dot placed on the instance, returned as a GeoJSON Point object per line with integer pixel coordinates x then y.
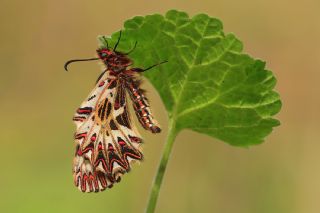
{"type": "Point", "coordinates": [142, 107]}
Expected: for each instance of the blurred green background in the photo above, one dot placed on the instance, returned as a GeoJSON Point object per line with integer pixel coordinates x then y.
{"type": "Point", "coordinates": [38, 100]}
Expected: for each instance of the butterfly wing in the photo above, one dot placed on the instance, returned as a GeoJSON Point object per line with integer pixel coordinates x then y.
{"type": "Point", "coordinates": [106, 142]}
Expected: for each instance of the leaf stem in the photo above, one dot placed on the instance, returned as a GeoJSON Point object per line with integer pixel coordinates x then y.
{"type": "Point", "coordinates": [162, 167]}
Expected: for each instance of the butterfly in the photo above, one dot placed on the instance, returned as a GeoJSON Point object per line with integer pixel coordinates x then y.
{"type": "Point", "coordinates": [107, 143]}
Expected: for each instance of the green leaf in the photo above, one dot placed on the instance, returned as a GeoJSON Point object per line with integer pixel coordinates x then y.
{"type": "Point", "coordinates": [208, 85]}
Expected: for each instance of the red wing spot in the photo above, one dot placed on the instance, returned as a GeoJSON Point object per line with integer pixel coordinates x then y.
{"type": "Point", "coordinates": [84, 180]}
{"type": "Point", "coordinates": [95, 179]}
{"type": "Point", "coordinates": [110, 147]}
{"type": "Point", "coordinates": [100, 147]}
{"type": "Point", "coordinates": [80, 136]}
{"type": "Point", "coordinates": [79, 152]}
{"type": "Point", "coordinates": [101, 84]}
{"type": "Point", "coordinates": [79, 118]}
{"type": "Point", "coordinates": [84, 110]}
{"type": "Point", "coordinates": [90, 185]}
{"type": "Point", "coordinates": [122, 143]}
{"type": "Point", "coordinates": [135, 139]}
{"type": "Point", "coordinates": [116, 105]}
{"type": "Point", "coordinates": [93, 137]}
{"type": "Point", "coordinates": [90, 181]}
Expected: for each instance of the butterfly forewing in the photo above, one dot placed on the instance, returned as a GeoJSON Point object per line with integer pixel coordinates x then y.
{"type": "Point", "coordinates": [106, 142]}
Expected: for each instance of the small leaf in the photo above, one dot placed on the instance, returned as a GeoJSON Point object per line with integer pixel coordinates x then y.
{"type": "Point", "coordinates": [208, 85]}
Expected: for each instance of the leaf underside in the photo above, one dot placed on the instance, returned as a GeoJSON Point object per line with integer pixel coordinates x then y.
{"type": "Point", "coordinates": [208, 85]}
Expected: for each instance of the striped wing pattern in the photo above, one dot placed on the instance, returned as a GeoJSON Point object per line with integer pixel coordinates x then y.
{"type": "Point", "coordinates": [106, 142]}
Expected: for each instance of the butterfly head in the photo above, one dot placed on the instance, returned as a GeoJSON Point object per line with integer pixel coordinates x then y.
{"type": "Point", "coordinates": [114, 60]}
{"type": "Point", "coordinates": [104, 53]}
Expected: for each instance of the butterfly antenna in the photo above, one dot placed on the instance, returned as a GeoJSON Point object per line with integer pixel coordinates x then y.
{"type": "Point", "coordinates": [115, 47]}
{"type": "Point", "coordinates": [148, 68]}
{"type": "Point", "coordinates": [104, 38]}
{"type": "Point", "coordinates": [135, 45]}
{"type": "Point", "coordinates": [155, 65]}
{"type": "Point", "coordinates": [75, 60]}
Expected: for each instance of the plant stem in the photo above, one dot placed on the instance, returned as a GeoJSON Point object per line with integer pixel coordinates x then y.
{"type": "Point", "coordinates": [162, 167]}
